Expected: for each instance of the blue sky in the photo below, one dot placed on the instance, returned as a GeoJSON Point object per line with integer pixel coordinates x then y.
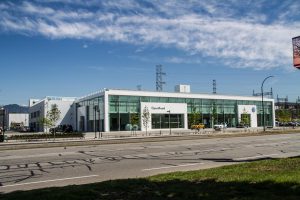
{"type": "Point", "coordinates": [77, 47]}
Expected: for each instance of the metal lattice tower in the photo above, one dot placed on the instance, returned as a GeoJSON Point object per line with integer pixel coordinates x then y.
{"type": "Point", "coordinates": [159, 79]}
{"type": "Point", "coordinates": [214, 87]}
{"type": "Point", "coordinates": [269, 94]}
{"type": "Point", "coordinates": [280, 100]}
{"type": "Point", "coordinates": [139, 87]}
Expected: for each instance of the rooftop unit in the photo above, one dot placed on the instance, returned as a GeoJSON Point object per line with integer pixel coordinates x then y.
{"type": "Point", "coordinates": [183, 88]}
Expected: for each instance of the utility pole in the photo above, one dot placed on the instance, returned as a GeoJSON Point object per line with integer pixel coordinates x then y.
{"type": "Point", "coordinates": [159, 79]}
{"type": "Point", "coordinates": [214, 87]}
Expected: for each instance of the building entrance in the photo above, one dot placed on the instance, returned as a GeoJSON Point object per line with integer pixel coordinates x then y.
{"type": "Point", "coordinates": [164, 121]}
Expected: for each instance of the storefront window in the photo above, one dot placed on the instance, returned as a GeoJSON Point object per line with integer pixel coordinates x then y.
{"type": "Point", "coordinates": [164, 121]}
{"type": "Point", "coordinates": [225, 111]}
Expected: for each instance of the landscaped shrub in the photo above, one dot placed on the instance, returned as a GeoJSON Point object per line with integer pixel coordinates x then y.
{"type": "Point", "coordinates": [46, 136]}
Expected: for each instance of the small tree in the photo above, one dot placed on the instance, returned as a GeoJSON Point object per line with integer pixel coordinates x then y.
{"type": "Point", "coordinates": [134, 120]}
{"type": "Point", "coordinates": [194, 117]}
{"type": "Point", "coordinates": [214, 115]}
{"type": "Point", "coordinates": [245, 119]}
{"type": "Point", "coordinates": [52, 117]}
{"type": "Point", "coordinates": [283, 115]}
{"type": "Point", "coordinates": [146, 118]}
{"type": "Point", "coordinates": [46, 123]}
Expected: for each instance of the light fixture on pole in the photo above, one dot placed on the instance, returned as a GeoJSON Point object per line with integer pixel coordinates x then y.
{"type": "Point", "coordinates": [170, 121]}
{"type": "Point", "coordinates": [3, 127]}
{"type": "Point", "coordinates": [95, 110]}
{"type": "Point", "coordinates": [262, 101]}
{"type": "Point", "coordinates": [100, 125]}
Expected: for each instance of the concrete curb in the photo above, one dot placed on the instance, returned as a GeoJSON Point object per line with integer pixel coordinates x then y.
{"type": "Point", "coordinates": [86, 142]}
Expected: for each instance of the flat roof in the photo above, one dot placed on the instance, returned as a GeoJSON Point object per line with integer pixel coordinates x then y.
{"type": "Point", "coordinates": [124, 92]}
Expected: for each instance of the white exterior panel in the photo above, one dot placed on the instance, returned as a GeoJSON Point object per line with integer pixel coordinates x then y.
{"type": "Point", "coordinates": [248, 109]}
{"type": "Point", "coordinates": [22, 118]}
{"type": "Point", "coordinates": [163, 108]}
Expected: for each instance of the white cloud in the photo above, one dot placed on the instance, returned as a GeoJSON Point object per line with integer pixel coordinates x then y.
{"type": "Point", "coordinates": [209, 28]}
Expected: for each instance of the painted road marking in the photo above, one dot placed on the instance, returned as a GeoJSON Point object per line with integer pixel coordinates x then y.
{"type": "Point", "coordinates": [186, 165]}
{"type": "Point", "coordinates": [47, 181]}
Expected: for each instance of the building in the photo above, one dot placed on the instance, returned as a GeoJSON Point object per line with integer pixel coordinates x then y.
{"type": "Point", "coordinates": [17, 120]}
{"type": "Point", "coordinates": [38, 110]}
{"type": "Point", "coordinates": [2, 118]}
{"type": "Point", "coordinates": [112, 110]}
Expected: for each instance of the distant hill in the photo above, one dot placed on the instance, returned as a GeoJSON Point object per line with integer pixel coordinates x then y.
{"type": "Point", "coordinates": [15, 108]}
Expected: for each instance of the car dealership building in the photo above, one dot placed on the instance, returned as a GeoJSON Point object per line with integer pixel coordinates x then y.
{"type": "Point", "coordinates": [118, 110]}
{"type": "Point", "coordinates": [113, 110]}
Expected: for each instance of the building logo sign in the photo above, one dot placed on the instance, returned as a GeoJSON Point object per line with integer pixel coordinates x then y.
{"type": "Point", "coordinates": [253, 109]}
{"type": "Point", "coordinates": [158, 108]}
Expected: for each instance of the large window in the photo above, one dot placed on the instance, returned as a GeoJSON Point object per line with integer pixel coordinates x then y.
{"type": "Point", "coordinates": [94, 116]}
{"type": "Point", "coordinates": [211, 111]}
{"type": "Point", "coordinates": [163, 121]}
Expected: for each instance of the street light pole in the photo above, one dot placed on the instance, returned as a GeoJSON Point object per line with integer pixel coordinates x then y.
{"type": "Point", "coordinates": [95, 110]}
{"type": "Point", "coordinates": [262, 101]}
{"type": "Point", "coordinates": [169, 121]}
{"type": "Point", "coordinates": [3, 121]}
{"type": "Point", "coordinates": [100, 125]}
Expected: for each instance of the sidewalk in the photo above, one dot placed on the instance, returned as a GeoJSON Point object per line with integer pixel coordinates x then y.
{"type": "Point", "coordinates": [138, 136]}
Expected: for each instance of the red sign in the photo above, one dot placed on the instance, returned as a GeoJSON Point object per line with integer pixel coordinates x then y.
{"type": "Point", "coordinates": [296, 51]}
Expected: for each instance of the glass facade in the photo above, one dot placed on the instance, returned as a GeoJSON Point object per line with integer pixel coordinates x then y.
{"type": "Point", "coordinates": [94, 116]}
{"type": "Point", "coordinates": [212, 111]}
{"type": "Point", "coordinates": [164, 121]}
{"type": "Point", "coordinates": [124, 112]}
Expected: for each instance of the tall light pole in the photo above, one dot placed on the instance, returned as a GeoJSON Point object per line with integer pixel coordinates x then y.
{"type": "Point", "coordinates": [3, 121]}
{"type": "Point", "coordinates": [100, 125]}
{"type": "Point", "coordinates": [262, 101]}
{"type": "Point", "coordinates": [95, 110]}
{"type": "Point", "coordinates": [170, 121]}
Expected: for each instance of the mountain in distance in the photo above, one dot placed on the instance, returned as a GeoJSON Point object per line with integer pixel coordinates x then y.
{"type": "Point", "coordinates": [15, 108]}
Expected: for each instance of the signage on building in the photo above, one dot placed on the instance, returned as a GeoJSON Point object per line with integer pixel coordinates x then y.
{"type": "Point", "coordinates": [164, 108]}
{"type": "Point", "coordinates": [296, 51]}
{"type": "Point", "coordinates": [158, 108]}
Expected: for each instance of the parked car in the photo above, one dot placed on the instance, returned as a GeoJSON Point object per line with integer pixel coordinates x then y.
{"type": "Point", "coordinates": [197, 126]}
{"type": "Point", "coordinates": [24, 129]}
{"type": "Point", "coordinates": [221, 126]}
{"type": "Point", "coordinates": [66, 128]}
{"type": "Point", "coordinates": [241, 125]}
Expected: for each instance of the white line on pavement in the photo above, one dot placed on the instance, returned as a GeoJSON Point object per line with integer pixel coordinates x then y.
{"type": "Point", "coordinates": [46, 181]}
{"type": "Point", "coordinates": [254, 157]}
{"type": "Point", "coordinates": [186, 165]}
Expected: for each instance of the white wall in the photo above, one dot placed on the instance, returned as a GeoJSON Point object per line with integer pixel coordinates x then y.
{"type": "Point", "coordinates": [163, 108]}
{"type": "Point", "coordinates": [65, 106]}
{"type": "Point", "coordinates": [38, 106]}
{"type": "Point", "coordinates": [248, 109]}
{"type": "Point", "coordinates": [81, 111]}
{"type": "Point", "coordinates": [18, 118]}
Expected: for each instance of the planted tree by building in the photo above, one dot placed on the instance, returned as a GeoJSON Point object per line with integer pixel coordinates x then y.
{"type": "Point", "coordinates": [146, 118]}
{"type": "Point", "coordinates": [134, 120]}
{"type": "Point", "coordinates": [194, 117]}
{"type": "Point", "coordinates": [53, 115]}
{"type": "Point", "coordinates": [46, 123]}
{"type": "Point", "coordinates": [214, 115]}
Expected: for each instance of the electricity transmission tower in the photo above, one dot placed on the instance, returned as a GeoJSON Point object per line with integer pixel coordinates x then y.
{"type": "Point", "coordinates": [159, 78]}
